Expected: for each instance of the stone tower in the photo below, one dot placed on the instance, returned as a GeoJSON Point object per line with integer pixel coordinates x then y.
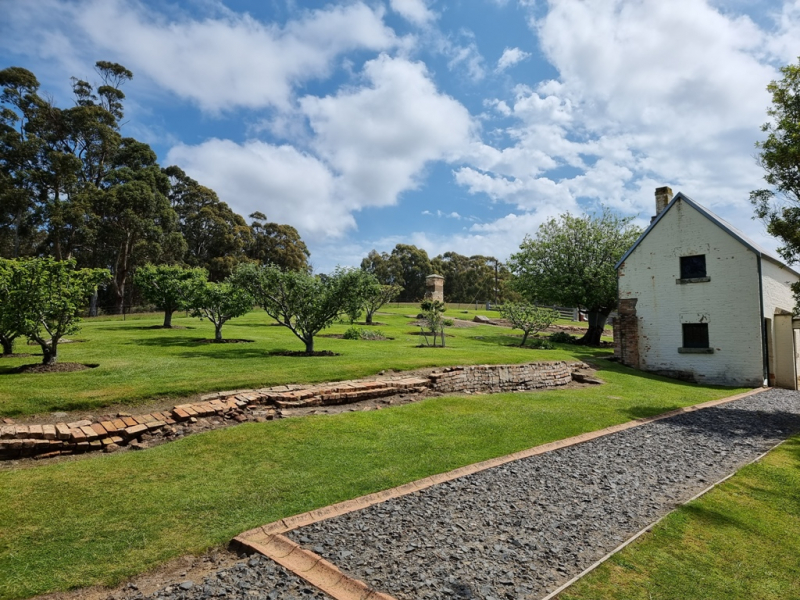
{"type": "Point", "coordinates": [434, 287]}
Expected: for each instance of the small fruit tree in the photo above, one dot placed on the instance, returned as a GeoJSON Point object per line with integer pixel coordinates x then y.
{"type": "Point", "coordinates": [528, 317]}
{"type": "Point", "coordinates": [169, 287]}
{"type": "Point", "coordinates": [304, 303]}
{"type": "Point", "coordinates": [48, 296]}
{"type": "Point", "coordinates": [219, 303]}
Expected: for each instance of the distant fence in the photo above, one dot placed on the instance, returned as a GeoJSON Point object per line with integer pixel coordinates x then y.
{"type": "Point", "coordinates": [571, 314]}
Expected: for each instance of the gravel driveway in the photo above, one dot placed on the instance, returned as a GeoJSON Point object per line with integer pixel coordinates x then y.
{"type": "Point", "coordinates": [522, 529]}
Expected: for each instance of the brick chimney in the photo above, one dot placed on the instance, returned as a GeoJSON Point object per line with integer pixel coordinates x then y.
{"type": "Point", "coordinates": [663, 197]}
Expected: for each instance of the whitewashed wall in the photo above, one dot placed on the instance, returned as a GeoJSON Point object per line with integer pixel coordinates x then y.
{"type": "Point", "coordinates": [729, 302]}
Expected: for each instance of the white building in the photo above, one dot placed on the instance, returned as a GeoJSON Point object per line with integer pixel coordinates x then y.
{"type": "Point", "coordinates": [702, 302]}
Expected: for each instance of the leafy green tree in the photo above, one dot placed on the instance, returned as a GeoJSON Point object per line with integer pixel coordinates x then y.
{"type": "Point", "coordinates": [779, 155]}
{"type": "Point", "coordinates": [169, 287]}
{"type": "Point", "coordinates": [570, 262]}
{"type": "Point", "coordinates": [276, 244]}
{"type": "Point", "coordinates": [219, 303]}
{"type": "Point", "coordinates": [363, 286]}
{"type": "Point", "coordinates": [304, 303]}
{"type": "Point", "coordinates": [376, 297]}
{"type": "Point", "coordinates": [48, 295]}
{"type": "Point", "coordinates": [10, 321]}
{"type": "Point", "coordinates": [528, 317]}
{"type": "Point", "coordinates": [407, 266]}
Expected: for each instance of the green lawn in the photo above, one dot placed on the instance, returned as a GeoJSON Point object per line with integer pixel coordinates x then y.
{"type": "Point", "coordinates": [107, 517]}
{"type": "Point", "coordinates": [138, 362]}
{"type": "Point", "coordinates": [741, 541]}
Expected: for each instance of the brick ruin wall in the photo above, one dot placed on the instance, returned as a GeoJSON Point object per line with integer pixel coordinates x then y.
{"type": "Point", "coordinates": [47, 440]}
{"type": "Point", "coordinates": [626, 333]}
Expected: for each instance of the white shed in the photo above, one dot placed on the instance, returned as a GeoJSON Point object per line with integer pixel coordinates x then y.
{"type": "Point", "coordinates": [700, 301]}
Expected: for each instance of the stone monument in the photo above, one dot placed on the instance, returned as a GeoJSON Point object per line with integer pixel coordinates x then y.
{"type": "Point", "coordinates": [434, 287]}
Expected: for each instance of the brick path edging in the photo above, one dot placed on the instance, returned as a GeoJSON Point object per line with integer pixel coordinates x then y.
{"type": "Point", "coordinates": [269, 540]}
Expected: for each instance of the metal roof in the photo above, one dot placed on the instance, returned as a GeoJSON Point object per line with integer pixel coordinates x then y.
{"type": "Point", "coordinates": [719, 222]}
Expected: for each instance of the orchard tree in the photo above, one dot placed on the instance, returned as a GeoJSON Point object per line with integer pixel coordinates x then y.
{"type": "Point", "coordinates": [376, 297]}
{"type": "Point", "coordinates": [779, 155]}
{"type": "Point", "coordinates": [48, 296]}
{"type": "Point", "coordinates": [169, 287]}
{"type": "Point", "coordinates": [219, 303]}
{"type": "Point", "coordinates": [570, 262]}
{"type": "Point", "coordinates": [10, 322]}
{"type": "Point", "coordinates": [528, 318]}
{"type": "Point", "coordinates": [304, 303]}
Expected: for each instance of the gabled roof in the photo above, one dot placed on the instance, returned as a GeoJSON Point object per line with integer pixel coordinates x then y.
{"type": "Point", "coordinates": [719, 222]}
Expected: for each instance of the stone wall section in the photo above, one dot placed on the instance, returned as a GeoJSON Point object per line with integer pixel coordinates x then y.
{"type": "Point", "coordinates": [20, 441]}
{"type": "Point", "coordinates": [493, 379]}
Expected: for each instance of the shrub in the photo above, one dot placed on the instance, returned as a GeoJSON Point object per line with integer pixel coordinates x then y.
{"type": "Point", "coordinates": [541, 344]}
{"type": "Point", "coordinates": [562, 337]}
{"type": "Point", "coordinates": [358, 333]}
{"type": "Point", "coordinates": [352, 333]}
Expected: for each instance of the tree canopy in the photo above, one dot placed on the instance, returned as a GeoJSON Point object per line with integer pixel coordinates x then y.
{"type": "Point", "coordinates": [72, 186]}
{"type": "Point", "coordinates": [779, 155]}
{"type": "Point", "coordinates": [304, 303]}
{"type": "Point", "coordinates": [570, 262]}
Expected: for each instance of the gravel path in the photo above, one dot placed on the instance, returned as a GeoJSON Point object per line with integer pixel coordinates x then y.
{"type": "Point", "coordinates": [522, 529]}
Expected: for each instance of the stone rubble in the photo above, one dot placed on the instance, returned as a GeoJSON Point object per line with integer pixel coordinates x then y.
{"type": "Point", "coordinates": [109, 433]}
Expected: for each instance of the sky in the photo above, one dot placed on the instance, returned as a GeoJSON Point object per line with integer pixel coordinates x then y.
{"type": "Point", "coordinates": [454, 126]}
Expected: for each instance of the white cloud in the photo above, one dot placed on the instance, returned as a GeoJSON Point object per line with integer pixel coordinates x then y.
{"type": "Point", "coordinates": [415, 11]}
{"type": "Point", "coordinates": [370, 144]}
{"type": "Point", "coordinates": [378, 138]}
{"type": "Point", "coordinates": [285, 184]}
{"type": "Point", "coordinates": [648, 91]}
{"type": "Point", "coordinates": [222, 62]}
{"type": "Point", "coordinates": [510, 57]}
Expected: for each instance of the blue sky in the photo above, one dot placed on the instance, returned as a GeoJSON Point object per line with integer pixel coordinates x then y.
{"type": "Point", "coordinates": [456, 125]}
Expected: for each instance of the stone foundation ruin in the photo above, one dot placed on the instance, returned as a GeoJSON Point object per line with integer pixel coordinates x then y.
{"type": "Point", "coordinates": [48, 440]}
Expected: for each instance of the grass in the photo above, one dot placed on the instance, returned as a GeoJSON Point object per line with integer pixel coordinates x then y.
{"type": "Point", "coordinates": [139, 363]}
{"type": "Point", "coordinates": [738, 542]}
{"type": "Point", "coordinates": [104, 518]}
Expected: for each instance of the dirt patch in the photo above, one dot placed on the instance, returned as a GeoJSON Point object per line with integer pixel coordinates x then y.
{"type": "Point", "coordinates": [428, 333]}
{"type": "Point", "coordinates": [177, 570]}
{"type": "Point", "coordinates": [61, 341]}
{"type": "Point", "coordinates": [224, 341]}
{"type": "Point", "coordinates": [340, 336]}
{"type": "Point", "coordinates": [303, 354]}
{"type": "Point", "coordinates": [56, 368]}
{"type": "Point", "coordinates": [16, 355]}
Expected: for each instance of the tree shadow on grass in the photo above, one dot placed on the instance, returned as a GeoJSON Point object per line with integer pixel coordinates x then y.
{"type": "Point", "coordinates": [168, 340]}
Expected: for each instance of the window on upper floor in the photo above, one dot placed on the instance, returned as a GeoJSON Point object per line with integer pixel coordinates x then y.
{"type": "Point", "coordinates": [693, 267]}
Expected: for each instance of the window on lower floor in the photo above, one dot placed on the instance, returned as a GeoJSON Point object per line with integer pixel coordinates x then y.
{"type": "Point", "coordinates": [695, 335]}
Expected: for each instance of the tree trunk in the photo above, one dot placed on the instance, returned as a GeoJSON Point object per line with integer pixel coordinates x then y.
{"type": "Point", "coordinates": [168, 319]}
{"type": "Point", "coordinates": [93, 305]}
{"type": "Point", "coordinates": [49, 353]}
{"type": "Point", "coordinates": [597, 322]}
{"type": "Point", "coordinates": [309, 345]}
{"type": "Point", "coordinates": [524, 339]}
{"type": "Point", "coordinates": [369, 318]}
{"type": "Point", "coordinates": [218, 332]}
{"type": "Point", "coordinates": [8, 344]}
